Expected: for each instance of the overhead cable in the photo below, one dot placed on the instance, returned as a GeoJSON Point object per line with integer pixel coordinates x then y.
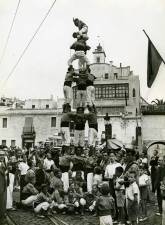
{"type": "Point", "coordinates": [9, 34]}
{"type": "Point", "coordinates": [27, 46]}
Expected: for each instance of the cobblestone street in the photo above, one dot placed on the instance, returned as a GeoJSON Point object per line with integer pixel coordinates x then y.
{"type": "Point", "coordinates": [25, 217]}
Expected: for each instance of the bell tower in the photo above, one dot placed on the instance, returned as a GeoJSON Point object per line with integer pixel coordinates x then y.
{"type": "Point", "coordinates": [99, 54]}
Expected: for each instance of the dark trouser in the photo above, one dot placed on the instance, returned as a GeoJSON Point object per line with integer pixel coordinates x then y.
{"type": "Point", "coordinates": [112, 192]}
{"type": "Point", "coordinates": [22, 184]}
{"type": "Point", "coordinates": [3, 196]}
{"type": "Point", "coordinates": [159, 199]}
{"type": "Point", "coordinates": [121, 214]}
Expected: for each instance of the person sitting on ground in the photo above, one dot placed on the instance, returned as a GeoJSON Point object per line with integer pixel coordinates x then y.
{"type": "Point", "coordinates": [40, 174]}
{"type": "Point", "coordinates": [91, 198]}
{"type": "Point", "coordinates": [29, 188]}
{"type": "Point", "coordinates": [43, 202]}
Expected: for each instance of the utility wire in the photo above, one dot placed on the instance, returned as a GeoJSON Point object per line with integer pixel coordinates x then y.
{"type": "Point", "coordinates": [9, 34]}
{"type": "Point", "coordinates": [30, 41]}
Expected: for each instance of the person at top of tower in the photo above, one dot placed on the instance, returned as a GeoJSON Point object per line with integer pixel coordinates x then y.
{"type": "Point", "coordinates": [83, 28]}
{"type": "Point", "coordinates": [80, 45]}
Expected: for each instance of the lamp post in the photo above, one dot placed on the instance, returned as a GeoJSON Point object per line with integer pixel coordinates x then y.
{"type": "Point", "coordinates": [108, 128]}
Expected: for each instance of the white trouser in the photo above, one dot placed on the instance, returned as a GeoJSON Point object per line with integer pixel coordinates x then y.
{"type": "Point", "coordinates": [90, 95]}
{"type": "Point", "coordinates": [106, 220]}
{"type": "Point", "coordinates": [67, 94]}
{"type": "Point", "coordinates": [79, 136]}
{"type": "Point", "coordinates": [81, 98]}
{"type": "Point", "coordinates": [65, 179]}
{"type": "Point", "coordinates": [65, 132]}
{"type": "Point", "coordinates": [83, 31]}
{"type": "Point", "coordinates": [89, 182]}
{"type": "Point", "coordinates": [92, 137]}
{"type": "Point", "coordinates": [29, 201]}
{"type": "Point", "coordinates": [9, 202]}
{"type": "Point", "coordinates": [43, 205]}
{"type": "Point", "coordinates": [82, 59]}
{"type": "Point", "coordinates": [163, 212]}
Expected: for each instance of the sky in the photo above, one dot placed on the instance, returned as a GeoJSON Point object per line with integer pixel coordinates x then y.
{"type": "Point", "coordinates": [116, 24]}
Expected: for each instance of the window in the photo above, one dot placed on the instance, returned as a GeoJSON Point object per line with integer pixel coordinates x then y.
{"type": "Point", "coordinates": [47, 106]}
{"type": "Point", "coordinates": [111, 91]}
{"type": "Point", "coordinates": [12, 143]}
{"type": "Point", "coordinates": [33, 106]}
{"type": "Point", "coordinates": [98, 59]}
{"type": "Point", "coordinates": [4, 123]}
{"type": "Point", "coordinates": [4, 142]}
{"type": "Point", "coordinates": [106, 75]}
{"type": "Point", "coordinates": [133, 92]}
{"type": "Point", "coordinates": [98, 92]}
{"type": "Point", "coordinates": [53, 121]}
{"type": "Point", "coordinates": [115, 75]}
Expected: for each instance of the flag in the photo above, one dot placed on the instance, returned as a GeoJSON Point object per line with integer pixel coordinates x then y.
{"type": "Point", "coordinates": [154, 61]}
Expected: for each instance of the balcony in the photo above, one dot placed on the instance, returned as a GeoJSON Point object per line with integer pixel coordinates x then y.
{"type": "Point", "coordinates": [153, 110]}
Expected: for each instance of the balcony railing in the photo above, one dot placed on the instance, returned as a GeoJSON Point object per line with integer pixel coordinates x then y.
{"type": "Point", "coordinates": [28, 130]}
{"type": "Point", "coordinates": [153, 110]}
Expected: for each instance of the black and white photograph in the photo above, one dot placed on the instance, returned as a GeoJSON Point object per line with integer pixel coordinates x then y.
{"type": "Point", "coordinates": [82, 112]}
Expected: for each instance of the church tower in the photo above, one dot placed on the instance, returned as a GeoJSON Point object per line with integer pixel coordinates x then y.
{"type": "Point", "coordinates": [99, 54]}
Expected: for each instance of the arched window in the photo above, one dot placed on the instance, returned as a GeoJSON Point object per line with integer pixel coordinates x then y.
{"type": "Point", "coordinates": [133, 92]}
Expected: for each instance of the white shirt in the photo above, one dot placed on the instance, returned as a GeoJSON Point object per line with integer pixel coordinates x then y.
{"type": "Point", "coordinates": [48, 163]}
{"type": "Point", "coordinates": [110, 169]}
{"type": "Point", "coordinates": [131, 191]}
{"type": "Point", "coordinates": [143, 179]}
{"type": "Point", "coordinates": [23, 167]}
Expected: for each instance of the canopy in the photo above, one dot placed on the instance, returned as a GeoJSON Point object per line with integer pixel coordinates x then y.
{"type": "Point", "coordinates": [114, 144]}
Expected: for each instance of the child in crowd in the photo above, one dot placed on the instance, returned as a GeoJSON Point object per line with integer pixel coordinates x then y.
{"type": "Point", "coordinates": [91, 198]}
{"type": "Point", "coordinates": [143, 186]}
{"type": "Point", "coordinates": [162, 187]}
{"type": "Point", "coordinates": [76, 199]}
{"type": "Point", "coordinates": [120, 194]}
{"type": "Point", "coordinates": [132, 198]}
{"type": "Point", "coordinates": [105, 206]}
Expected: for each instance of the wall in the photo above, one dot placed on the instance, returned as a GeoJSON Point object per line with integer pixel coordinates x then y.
{"type": "Point", "coordinates": [16, 121]}
{"type": "Point", "coordinates": [153, 128]}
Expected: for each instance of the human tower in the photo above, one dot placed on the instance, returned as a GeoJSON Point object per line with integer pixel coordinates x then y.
{"type": "Point", "coordinates": [83, 81]}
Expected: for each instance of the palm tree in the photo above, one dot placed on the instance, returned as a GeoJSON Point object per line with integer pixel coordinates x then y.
{"type": "Point", "coordinates": [158, 102]}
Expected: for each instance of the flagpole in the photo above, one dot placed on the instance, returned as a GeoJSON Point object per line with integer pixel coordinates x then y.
{"type": "Point", "coordinates": [154, 46]}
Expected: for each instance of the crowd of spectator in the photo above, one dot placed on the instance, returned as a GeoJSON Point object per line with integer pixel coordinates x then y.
{"type": "Point", "coordinates": [114, 185]}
